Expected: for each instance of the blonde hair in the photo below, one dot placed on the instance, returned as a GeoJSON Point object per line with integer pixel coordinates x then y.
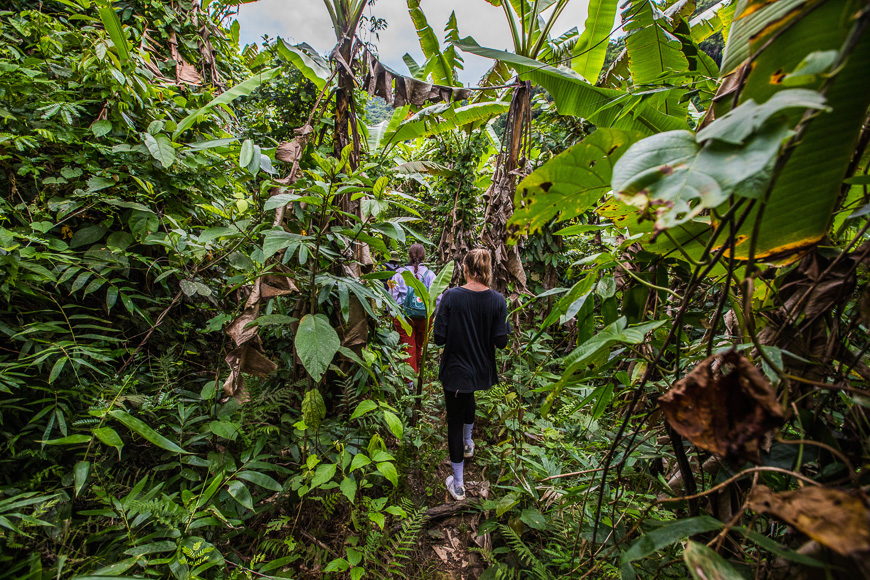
{"type": "Point", "coordinates": [479, 265]}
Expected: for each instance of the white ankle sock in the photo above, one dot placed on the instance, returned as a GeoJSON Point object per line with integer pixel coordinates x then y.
{"type": "Point", "coordinates": [458, 480]}
{"type": "Point", "coordinates": [466, 432]}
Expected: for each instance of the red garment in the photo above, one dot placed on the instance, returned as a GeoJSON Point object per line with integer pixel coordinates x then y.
{"type": "Point", "coordinates": [419, 331]}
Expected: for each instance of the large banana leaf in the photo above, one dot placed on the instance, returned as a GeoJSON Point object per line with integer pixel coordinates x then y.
{"type": "Point", "coordinates": [437, 64]}
{"type": "Point", "coordinates": [570, 183]}
{"type": "Point", "coordinates": [750, 18]}
{"type": "Point", "coordinates": [574, 96]}
{"type": "Point", "coordinates": [383, 130]}
{"type": "Point", "coordinates": [591, 49]}
{"type": "Point", "coordinates": [312, 68]}
{"type": "Point", "coordinates": [713, 20]}
{"type": "Point", "coordinates": [442, 118]}
{"type": "Point", "coordinates": [242, 89]}
{"type": "Point", "coordinates": [652, 48]}
{"type": "Point", "coordinates": [806, 193]}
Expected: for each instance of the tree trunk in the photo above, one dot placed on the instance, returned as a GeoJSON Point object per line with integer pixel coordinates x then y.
{"type": "Point", "coordinates": [507, 267]}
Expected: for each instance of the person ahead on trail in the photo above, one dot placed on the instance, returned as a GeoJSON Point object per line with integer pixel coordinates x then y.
{"type": "Point", "coordinates": [471, 322]}
{"type": "Point", "coordinates": [412, 305]}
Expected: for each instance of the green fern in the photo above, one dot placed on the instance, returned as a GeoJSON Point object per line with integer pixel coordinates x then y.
{"type": "Point", "coordinates": [525, 553]}
{"type": "Point", "coordinates": [406, 541]}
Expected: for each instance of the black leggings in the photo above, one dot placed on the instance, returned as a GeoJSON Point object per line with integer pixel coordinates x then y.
{"type": "Point", "coordinates": [460, 411]}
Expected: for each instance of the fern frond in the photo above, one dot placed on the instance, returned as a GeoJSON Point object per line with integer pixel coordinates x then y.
{"type": "Point", "coordinates": [525, 553]}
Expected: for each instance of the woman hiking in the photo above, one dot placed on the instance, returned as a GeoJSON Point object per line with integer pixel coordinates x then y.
{"type": "Point", "coordinates": [471, 322]}
{"type": "Point", "coordinates": [399, 290]}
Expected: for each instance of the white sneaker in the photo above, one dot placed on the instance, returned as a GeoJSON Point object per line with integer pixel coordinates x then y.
{"type": "Point", "coordinates": [458, 492]}
{"type": "Point", "coordinates": [469, 450]}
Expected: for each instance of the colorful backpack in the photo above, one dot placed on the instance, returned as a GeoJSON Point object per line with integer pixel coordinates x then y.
{"type": "Point", "coordinates": [413, 305]}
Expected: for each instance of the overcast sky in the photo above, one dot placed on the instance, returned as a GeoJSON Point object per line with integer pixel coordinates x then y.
{"type": "Point", "coordinates": [308, 21]}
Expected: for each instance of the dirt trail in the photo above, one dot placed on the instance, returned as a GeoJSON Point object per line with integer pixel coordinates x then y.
{"type": "Point", "coordinates": [447, 542]}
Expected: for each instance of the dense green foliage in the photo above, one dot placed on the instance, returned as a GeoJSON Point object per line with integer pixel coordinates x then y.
{"type": "Point", "coordinates": [199, 372]}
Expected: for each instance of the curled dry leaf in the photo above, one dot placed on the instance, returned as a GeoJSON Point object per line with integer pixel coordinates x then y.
{"type": "Point", "coordinates": [248, 356]}
{"type": "Point", "coordinates": [836, 519]}
{"type": "Point", "coordinates": [725, 405]}
{"type": "Point", "coordinates": [288, 151]}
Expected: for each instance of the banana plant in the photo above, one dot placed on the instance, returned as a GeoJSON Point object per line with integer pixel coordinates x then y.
{"type": "Point", "coordinates": [345, 16]}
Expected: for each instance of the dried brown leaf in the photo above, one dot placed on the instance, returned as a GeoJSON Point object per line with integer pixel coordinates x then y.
{"type": "Point", "coordinates": [725, 405]}
{"type": "Point", "coordinates": [836, 519]}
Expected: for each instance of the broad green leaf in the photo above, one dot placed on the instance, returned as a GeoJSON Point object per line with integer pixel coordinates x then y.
{"type": "Point", "coordinates": [325, 472]}
{"type": "Point", "coordinates": [378, 518]}
{"type": "Point", "coordinates": [110, 437]}
{"type": "Point", "coordinates": [337, 565]}
{"type": "Point", "coordinates": [311, 67]}
{"type": "Point", "coordinates": [87, 236]}
{"type": "Point", "coordinates": [437, 63]}
{"type": "Point", "coordinates": [98, 183]}
{"type": "Point", "coordinates": [388, 470]}
{"type": "Point", "coordinates": [119, 240]}
{"type": "Point", "coordinates": [705, 564]}
{"type": "Point", "coordinates": [750, 18]}
{"type": "Point", "coordinates": [261, 479]}
{"type": "Point", "coordinates": [569, 184]}
{"type": "Point", "coordinates": [710, 21]}
{"type": "Point", "coordinates": [80, 476]}
{"type": "Point", "coordinates": [316, 344]}
{"type": "Point", "coordinates": [384, 129]}
{"type": "Point", "coordinates": [738, 124]}
{"type": "Point", "coordinates": [240, 90]}
{"type": "Point", "coordinates": [241, 494]}
{"type": "Point", "coordinates": [246, 153]}
{"type": "Point", "coordinates": [313, 408]}
{"type": "Point", "coordinates": [359, 460]}
{"type": "Point", "coordinates": [348, 488]}
{"type": "Point", "coordinates": [140, 427]}
{"type": "Point", "coordinates": [152, 548]}
{"type": "Point", "coordinates": [160, 148]}
{"type": "Point", "coordinates": [667, 534]}
{"type": "Point", "coordinates": [101, 127]}
{"type": "Point", "coordinates": [419, 289]}
{"type": "Point", "coordinates": [591, 48]}
{"type": "Point", "coordinates": [506, 503]}
{"type": "Point", "coordinates": [394, 423]}
{"type": "Point", "coordinates": [363, 407]}
{"type": "Point", "coordinates": [533, 518]}
{"type": "Point", "coordinates": [225, 429]}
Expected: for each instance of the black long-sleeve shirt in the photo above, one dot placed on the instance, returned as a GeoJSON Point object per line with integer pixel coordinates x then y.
{"type": "Point", "coordinates": [470, 325]}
